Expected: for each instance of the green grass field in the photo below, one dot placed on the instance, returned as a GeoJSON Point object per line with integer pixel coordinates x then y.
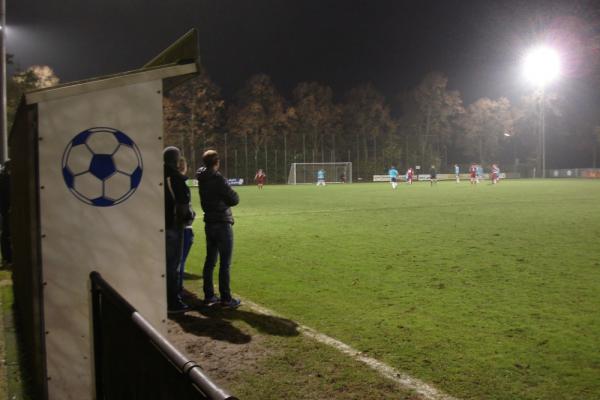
{"type": "Point", "coordinates": [487, 292]}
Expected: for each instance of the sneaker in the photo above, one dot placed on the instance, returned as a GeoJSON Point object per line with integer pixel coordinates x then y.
{"type": "Point", "coordinates": [211, 301]}
{"type": "Point", "coordinates": [179, 308]}
{"type": "Point", "coordinates": [233, 303]}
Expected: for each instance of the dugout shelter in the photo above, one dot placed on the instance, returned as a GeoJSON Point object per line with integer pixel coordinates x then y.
{"type": "Point", "coordinates": [87, 195]}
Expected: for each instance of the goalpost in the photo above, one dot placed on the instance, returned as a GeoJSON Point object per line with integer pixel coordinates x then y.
{"type": "Point", "coordinates": [335, 172]}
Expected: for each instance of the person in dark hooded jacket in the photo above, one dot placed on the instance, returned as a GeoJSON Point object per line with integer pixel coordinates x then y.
{"type": "Point", "coordinates": [177, 213]}
{"type": "Point", "coordinates": [216, 198]}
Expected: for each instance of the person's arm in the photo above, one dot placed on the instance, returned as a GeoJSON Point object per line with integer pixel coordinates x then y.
{"type": "Point", "coordinates": [180, 191]}
{"type": "Point", "coordinates": [181, 196]}
{"type": "Point", "coordinates": [227, 194]}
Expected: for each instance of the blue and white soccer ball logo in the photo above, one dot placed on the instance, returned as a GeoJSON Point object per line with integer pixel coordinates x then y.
{"type": "Point", "coordinates": [102, 166]}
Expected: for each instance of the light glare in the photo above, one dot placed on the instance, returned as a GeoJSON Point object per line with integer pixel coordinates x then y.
{"type": "Point", "coordinates": [541, 66]}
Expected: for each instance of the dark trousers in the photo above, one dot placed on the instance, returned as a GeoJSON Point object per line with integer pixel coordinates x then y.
{"type": "Point", "coordinates": [188, 240]}
{"type": "Point", "coordinates": [219, 242]}
{"type": "Point", "coordinates": [174, 244]}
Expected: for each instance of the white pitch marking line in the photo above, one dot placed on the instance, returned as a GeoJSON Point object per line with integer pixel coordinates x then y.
{"type": "Point", "coordinates": [418, 386]}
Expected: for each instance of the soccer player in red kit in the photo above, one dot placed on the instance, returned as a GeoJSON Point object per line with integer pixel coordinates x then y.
{"type": "Point", "coordinates": [495, 174]}
{"type": "Point", "coordinates": [260, 178]}
{"type": "Point", "coordinates": [473, 173]}
{"type": "Point", "coordinates": [409, 176]}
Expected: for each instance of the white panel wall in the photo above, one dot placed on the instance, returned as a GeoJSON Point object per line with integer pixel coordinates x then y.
{"type": "Point", "coordinates": [123, 242]}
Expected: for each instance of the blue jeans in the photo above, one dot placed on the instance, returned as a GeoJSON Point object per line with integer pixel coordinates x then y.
{"type": "Point", "coordinates": [188, 240]}
{"type": "Point", "coordinates": [219, 242]}
{"type": "Point", "coordinates": [174, 245]}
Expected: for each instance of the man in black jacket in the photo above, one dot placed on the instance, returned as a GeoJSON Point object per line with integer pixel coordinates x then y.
{"type": "Point", "coordinates": [177, 212]}
{"type": "Point", "coordinates": [216, 198]}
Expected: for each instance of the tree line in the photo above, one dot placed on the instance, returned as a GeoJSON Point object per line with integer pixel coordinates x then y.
{"type": "Point", "coordinates": [429, 125]}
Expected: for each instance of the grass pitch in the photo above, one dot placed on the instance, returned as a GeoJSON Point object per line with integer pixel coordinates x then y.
{"type": "Point", "coordinates": [487, 292]}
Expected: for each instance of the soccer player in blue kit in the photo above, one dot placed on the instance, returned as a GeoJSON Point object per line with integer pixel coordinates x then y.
{"type": "Point", "coordinates": [321, 177]}
{"type": "Point", "coordinates": [457, 173]}
{"type": "Point", "coordinates": [393, 173]}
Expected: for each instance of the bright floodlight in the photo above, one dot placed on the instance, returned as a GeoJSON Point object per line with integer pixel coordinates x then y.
{"type": "Point", "coordinates": [541, 66]}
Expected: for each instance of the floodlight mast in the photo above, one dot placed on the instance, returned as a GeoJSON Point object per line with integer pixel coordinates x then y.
{"type": "Point", "coordinates": [542, 66]}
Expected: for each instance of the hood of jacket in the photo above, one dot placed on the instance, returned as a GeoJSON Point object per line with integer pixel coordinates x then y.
{"type": "Point", "coordinates": [171, 156]}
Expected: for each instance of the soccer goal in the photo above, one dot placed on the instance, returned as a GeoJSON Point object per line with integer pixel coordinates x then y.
{"type": "Point", "coordinates": [335, 172]}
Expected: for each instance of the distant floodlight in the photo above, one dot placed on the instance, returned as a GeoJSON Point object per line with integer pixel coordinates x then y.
{"type": "Point", "coordinates": [541, 65]}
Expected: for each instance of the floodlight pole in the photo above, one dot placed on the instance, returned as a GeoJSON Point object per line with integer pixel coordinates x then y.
{"type": "Point", "coordinates": [543, 128]}
{"type": "Point", "coordinates": [3, 137]}
{"type": "Point", "coordinates": [542, 66]}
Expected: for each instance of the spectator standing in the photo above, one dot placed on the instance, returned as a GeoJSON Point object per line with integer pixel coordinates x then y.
{"type": "Point", "coordinates": [188, 231]}
{"type": "Point", "coordinates": [177, 212]}
{"type": "Point", "coordinates": [216, 198]}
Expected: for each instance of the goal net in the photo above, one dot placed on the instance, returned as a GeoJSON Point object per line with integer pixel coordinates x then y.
{"type": "Point", "coordinates": [335, 172]}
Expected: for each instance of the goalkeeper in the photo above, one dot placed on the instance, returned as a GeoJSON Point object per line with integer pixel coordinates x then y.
{"type": "Point", "coordinates": [321, 177]}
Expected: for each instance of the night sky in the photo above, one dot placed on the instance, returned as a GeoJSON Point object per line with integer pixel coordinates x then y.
{"type": "Point", "coordinates": [393, 44]}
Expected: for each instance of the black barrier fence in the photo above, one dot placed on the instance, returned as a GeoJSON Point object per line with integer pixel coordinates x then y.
{"type": "Point", "coordinates": [134, 361]}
